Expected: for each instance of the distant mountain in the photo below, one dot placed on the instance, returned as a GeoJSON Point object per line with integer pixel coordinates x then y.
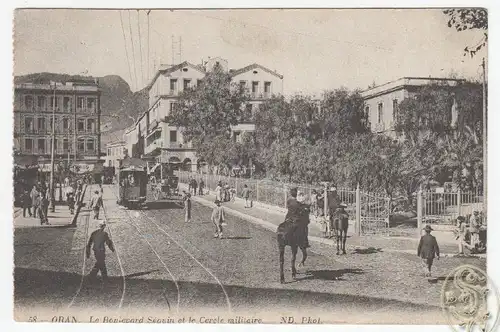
{"type": "Point", "coordinates": [119, 105]}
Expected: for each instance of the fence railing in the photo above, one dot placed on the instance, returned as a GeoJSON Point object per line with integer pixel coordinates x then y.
{"type": "Point", "coordinates": [372, 213]}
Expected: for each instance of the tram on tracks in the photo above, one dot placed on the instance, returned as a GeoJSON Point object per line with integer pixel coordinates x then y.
{"type": "Point", "coordinates": [132, 180]}
{"type": "Point", "coordinates": [137, 183]}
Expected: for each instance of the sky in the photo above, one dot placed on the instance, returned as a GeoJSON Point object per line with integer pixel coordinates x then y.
{"type": "Point", "coordinates": [315, 50]}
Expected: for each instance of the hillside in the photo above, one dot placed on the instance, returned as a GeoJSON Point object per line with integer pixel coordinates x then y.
{"type": "Point", "coordinates": [119, 105]}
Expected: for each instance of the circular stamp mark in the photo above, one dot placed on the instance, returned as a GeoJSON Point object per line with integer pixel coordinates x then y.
{"type": "Point", "coordinates": [470, 300]}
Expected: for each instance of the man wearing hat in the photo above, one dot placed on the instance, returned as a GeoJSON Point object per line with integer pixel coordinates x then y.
{"type": "Point", "coordinates": [99, 238]}
{"type": "Point", "coordinates": [428, 249]}
{"type": "Point", "coordinates": [475, 225]}
{"type": "Point", "coordinates": [218, 218]}
{"type": "Point", "coordinates": [333, 201]}
{"type": "Point", "coordinates": [96, 203]}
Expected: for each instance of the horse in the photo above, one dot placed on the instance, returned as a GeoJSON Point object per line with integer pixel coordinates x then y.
{"type": "Point", "coordinates": [340, 224]}
{"type": "Point", "coordinates": [293, 235]}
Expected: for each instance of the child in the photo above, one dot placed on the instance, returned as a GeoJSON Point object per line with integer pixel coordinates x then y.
{"type": "Point", "coordinates": [218, 219]}
{"type": "Point", "coordinates": [427, 249]}
{"type": "Point", "coordinates": [461, 232]}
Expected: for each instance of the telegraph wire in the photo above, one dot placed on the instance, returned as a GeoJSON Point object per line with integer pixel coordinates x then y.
{"type": "Point", "coordinates": [126, 51]}
{"type": "Point", "coordinates": [140, 49]}
{"type": "Point", "coordinates": [133, 53]}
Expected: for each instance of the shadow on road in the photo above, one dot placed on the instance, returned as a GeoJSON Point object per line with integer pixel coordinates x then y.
{"type": "Point", "coordinates": [368, 251]}
{"type": "Point", "coordinates": [329, 274]}
{"type": "Point", "coordinates": [166, 205]}
{"type": "Point", "coordinates": [34, 287]}
{"type": "Point", "coordinates": [236, 238]}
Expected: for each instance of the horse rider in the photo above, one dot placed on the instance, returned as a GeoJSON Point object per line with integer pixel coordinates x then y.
{"type": "Point", "coordinates": [333, 205]}
{"type": "Point", "coordinates": [303, 221]}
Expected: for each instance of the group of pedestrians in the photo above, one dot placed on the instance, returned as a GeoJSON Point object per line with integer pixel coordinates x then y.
{"type": "Point", "coordinates": [36, 202]}
{"type": "Point", "coordinates": [193, 186]}
{"type": "Point", "coordinates": [468, 233]}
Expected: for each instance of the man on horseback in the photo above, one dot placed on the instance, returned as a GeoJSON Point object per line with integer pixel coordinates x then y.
{"type": "Point", "coordinates": [293, 231]}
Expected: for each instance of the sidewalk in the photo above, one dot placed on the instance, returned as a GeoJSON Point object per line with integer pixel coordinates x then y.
{"type": "Point", "coordinates": [270, 219]}
{"type": "Point", "coordinates": [61, 217]}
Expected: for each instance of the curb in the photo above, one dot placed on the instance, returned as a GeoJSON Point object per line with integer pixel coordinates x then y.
{"type": "Point", "coordinates": [272, 227]}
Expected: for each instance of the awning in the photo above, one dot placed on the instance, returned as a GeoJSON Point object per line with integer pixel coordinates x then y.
{"type": "Point", "coordinates": [26, 161]}
{"type": "Point", "coordinates": [135, 163]}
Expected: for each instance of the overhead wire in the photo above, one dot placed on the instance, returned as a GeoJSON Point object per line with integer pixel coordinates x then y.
{"type": "Point", "coordinates": [133, 52]}
{"type": "Point", "coordinates": [126, 51]}
{"type": "Point", "coordinates": [140, 48]}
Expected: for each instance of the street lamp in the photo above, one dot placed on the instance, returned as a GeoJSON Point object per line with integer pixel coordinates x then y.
{"type": "Point", "coordinates": [52, 148]}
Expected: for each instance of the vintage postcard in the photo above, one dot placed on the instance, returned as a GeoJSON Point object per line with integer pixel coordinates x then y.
{"type": "Point", "coordinates": [251, 166]}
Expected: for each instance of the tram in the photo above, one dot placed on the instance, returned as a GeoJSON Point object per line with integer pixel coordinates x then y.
{"type": "Point", "coordinates": [132, 183]}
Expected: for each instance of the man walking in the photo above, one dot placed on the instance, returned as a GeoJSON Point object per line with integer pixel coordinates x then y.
{"type": "Point", "coordinates": [26, 202]}
{"type": "Point", "coordinates": [475, 224]}
{"type": "Point", "coordinates": [96, 203]}
{"type": "Point", "coordinates": [35, 200]}
{"type": "Point", "coordinates": [99, 238]}
{"type": "Point", "coordinates": [428, 249]}
{"type": "Point", "coordinates": [201, 187]}
{"type": "Point", "coordinates": [246, 195]}
{"type": "Point", "coordinates": [218, 218]}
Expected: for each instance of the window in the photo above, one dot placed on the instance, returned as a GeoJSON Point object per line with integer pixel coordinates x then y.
{"type": "Point", "coordinates": [66, 145]}
{"type": "Point", "coordinates": [28, 102]}
{"type": "Point", "coordinates": [28, 124]}
{"type": "Point", "coordinates": [90, 125]}
{"type": "Point", "coordinates": [186, 84]}
{"type": "Point", "coordinates": [110, 163]}
{"type": "Point", "coordinates": [173, 136]}
{"type": "Point", "coordinates": [90, 145]}
{"type": "Point", "coordinates": [80, 102]}
{"type": "Point", "coordinates": [255, 87]}
{"type": "Point", "coordinates": [198, 82]}
{"type": "Point", "coordinates": [28, 144]}
{"type": "Point", "coordinates": [41, 124]}
{"type": "Point", "coordinates": [248, 111]}
{"type": "Point", "coordinates": [53, 102]}
{"type": "Point", "coordinates": [67, 103]}
{"type": "Point", "coordinates": [172, 107]}
{"type": "Point", "coordinates": [51, 123]}
{"type": "Point", "coordinates": [243, 85]}
{"type": "Point", "coordinates": [81, 144]}
{"type": "Point", "coordinates": [267, 88]}
{"type": "Point", "coordinates": [367, 110]}
{"type": "Point", "coordinates": [81, 125]}
{"type": "Point", "coordinates": [237, 136]}
{"type": "Point", "coordinates": [41, 145]}
{"type": "Point", "coordinates": [65, 123]}
{"type": "Point", "coordinates": [109, 152]}
{"type": "Point", "coordinates": [173, 85]}
{"type": "Point", "coordinates": [55, 144]}
{"type": "Point", "coordinates": [395, 110]}
{"type": "Point", "coordinates": [380, 114]}
{"type": "Point", "coordinates": [91, 104]}
{"type": "Point", "coordinates": [42, 102]}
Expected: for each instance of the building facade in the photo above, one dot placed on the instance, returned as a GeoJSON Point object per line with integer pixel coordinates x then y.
{"type": "Point", "coordinates": [155, 139]}
{"type": "Point", "coordinates": [115, 151]}
{"type": "Point", "coordinates": [76, 108]}
{"type": "Point", "coordinates": [381, 102]}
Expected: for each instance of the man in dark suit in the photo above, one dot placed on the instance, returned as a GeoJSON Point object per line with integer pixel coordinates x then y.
{"type": "Point", "coordinates": [428, 249]}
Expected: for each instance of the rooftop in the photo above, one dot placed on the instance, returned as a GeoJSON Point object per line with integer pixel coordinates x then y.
{"type": "Point", "coordinates": [409, 81]}
{"type": "Point", "coordinates": [67, 86]}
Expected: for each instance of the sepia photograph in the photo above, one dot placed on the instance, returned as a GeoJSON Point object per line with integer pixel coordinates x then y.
{"type": "Point", "coordinates": [251, 166]}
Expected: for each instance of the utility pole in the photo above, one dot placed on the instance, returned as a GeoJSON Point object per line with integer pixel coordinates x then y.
{"type": "Point", "coordinates": [52, 147]}
{"type": "Point", "coordinates": [485, 125]}
{"type": "Point", "coordinates": [149, 68]}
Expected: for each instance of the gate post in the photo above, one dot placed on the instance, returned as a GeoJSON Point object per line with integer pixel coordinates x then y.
{"type": "Point", "coordinates": [257, 190]}
{"type": "Point", "coordinates": [325, 204]}
{"type": "Point", "coordinates": [459, 202]}
{"type": "Point", "coordinates": [286, 195]}
{"type": "Point", "coordinates": [419, 211]}
{"type": "Point", "coordinates": [358, 211]}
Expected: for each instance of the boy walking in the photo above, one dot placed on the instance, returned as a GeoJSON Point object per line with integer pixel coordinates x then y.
{"type": "Point", "coordinates": [218, 218]}
{"type": "Point", "coordinates": [428, 249]}
{"type": "Point", "coordinates": [96, 203]}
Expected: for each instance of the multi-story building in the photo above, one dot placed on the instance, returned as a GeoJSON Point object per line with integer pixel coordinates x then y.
{"type": "Point", "coordinates": [76, 106]}
{"type": "Point", "coordinates": [115, 151]}
{"type": "Point", "coordinates": [153, 137]}
{"type": "Point", "coordinates": [381, 102]}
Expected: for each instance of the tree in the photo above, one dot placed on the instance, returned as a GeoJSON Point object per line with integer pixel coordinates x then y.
{"type": "Point", "coordinates": [469, 19]}
{"type": "Point", "coordinates": [209, 110]}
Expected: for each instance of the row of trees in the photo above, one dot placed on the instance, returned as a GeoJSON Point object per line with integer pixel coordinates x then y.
{"type": "Point", "coordinates": [305, 141]}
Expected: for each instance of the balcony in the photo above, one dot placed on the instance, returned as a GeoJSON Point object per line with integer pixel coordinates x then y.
{"type": "Point", "coordinates": [260, 95]}
{"type": "Point", "coordinates": [156, 144]}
